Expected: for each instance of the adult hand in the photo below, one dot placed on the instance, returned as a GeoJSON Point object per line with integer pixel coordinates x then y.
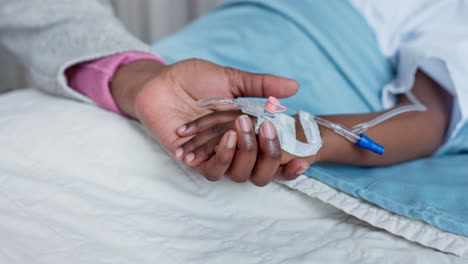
{"type": "Point", "coordinates": [164, 98]}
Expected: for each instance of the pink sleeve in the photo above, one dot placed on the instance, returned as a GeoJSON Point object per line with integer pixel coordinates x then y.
{"type": "Point", "coordinates": [92, 78]}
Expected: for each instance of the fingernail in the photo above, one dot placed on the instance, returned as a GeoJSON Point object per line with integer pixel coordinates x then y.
{"type": "Point", "coordinates": [232, 140]}
{"type": "Point", "coordinates": [189, 158]}
{"type": "Point", "coordinates": [182, 129]}
{"type": "Point", "coordinates": [269, 130]}
{"type": "Point", "coordinates": [302, 170]}
{"type": "Point", "coordinates": [178, 153]}
{"type": "Point", "coordinates": [245, 123]}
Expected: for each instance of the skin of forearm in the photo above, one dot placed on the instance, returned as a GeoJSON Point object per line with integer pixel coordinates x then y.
{"type": "Point", "coordinates": [409, 136]}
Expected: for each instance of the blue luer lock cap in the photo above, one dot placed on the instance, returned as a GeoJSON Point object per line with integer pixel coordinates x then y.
{"type": "Point", "coordinates": [369, 144]}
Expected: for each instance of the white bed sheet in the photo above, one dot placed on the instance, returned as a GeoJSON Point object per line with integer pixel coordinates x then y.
{"type": "Point", "coordinates": [82, 185]}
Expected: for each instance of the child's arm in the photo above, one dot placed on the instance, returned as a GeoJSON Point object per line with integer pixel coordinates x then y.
{"type": "Point", "coordinates": [406, 137]}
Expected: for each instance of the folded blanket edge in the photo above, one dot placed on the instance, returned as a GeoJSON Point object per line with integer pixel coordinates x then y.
{"type": "Point", "coordinates": [411, 230]}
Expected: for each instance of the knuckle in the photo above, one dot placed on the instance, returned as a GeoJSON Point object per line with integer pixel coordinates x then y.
{"type": "Point", "coordinates": [274, 154]}
{"type": "Point", "coordinates": [271, 149]}
{"type": "Point", "coordinates": [191, 145]}
{"type": "Point", "coordinates": [239, 178]}
{"type": "Point", "coordinates": [205, 150]}
{"type": "Point", "coordinates": [212, 177]}
{"type": "Point", "coordinates": [260, 182]}
{"type": "Point", "coordinates": [194, 124]}
{"type": "Point", "coordinates": [290, 176]}
{"type": "Point", "coordinates": [293, 177]}
{"type": "Point", "coordinates": [223, 160]}
{"type": "Point", "coordinates": [249, 147]}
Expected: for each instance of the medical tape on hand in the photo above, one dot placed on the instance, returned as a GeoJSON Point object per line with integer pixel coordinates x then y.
{"type": "Point", "coordinates": [286, 129]}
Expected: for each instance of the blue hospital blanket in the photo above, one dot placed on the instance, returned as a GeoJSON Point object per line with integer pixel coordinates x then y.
{"type": "Point", "coordinates": [329, 48]}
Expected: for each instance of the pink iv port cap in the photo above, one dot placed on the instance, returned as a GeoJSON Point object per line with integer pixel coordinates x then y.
{"type": "Point", "coordinates": [273, 104]}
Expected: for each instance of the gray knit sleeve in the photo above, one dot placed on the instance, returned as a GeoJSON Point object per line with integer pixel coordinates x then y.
{"type": "Point", "coordinates": [48, 36]}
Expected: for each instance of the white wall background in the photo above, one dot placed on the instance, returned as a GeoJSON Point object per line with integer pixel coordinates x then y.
{"type": "Point", "coordinates": [152, 20]}
{"type": "Point", "coordinates": [149, 20]}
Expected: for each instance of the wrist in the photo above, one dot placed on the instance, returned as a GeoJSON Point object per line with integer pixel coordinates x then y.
{"type": "Point", "coordinates": [327, 141]}
{"type": "Point", "coordinates": [335, 148]}
{"type": "Point", "coordinates": [322, 153]}
{"type": "Point", "coordinates": [129, 79]}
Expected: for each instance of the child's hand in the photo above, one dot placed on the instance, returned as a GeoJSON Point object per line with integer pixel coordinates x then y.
{"type": "Point", "coordinates": [258, 160]}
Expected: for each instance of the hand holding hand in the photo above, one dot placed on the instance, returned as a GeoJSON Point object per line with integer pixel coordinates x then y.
{"type": "Point", "coordinates": [164, 98]}
{"type": "Point", "coordinates": [257, 160]}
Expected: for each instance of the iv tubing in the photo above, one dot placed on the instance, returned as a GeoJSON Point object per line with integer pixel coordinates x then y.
{"type": "Point", "coordinates": [355, 134]}
{"type": "Point", "coordinates": [339, 129]}
{"type": "Point", "coordinates": [416, 106]}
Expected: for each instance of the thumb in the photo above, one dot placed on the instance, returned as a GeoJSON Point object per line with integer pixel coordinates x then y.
{"type": "Point", "coordinates": [245, 84]}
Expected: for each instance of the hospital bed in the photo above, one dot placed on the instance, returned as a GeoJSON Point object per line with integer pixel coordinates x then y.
{"type": "Point", "coordinates": [83, 185]}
